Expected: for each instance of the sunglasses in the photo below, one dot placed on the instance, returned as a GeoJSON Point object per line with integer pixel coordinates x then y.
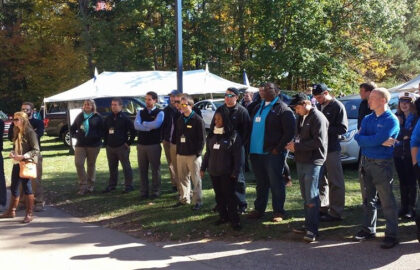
{"type": "Point", "coordinates": [177, 101]}
{"type": "Point", "coordinates": [230, 95]}
{"type": "Point", "coordinates": [184, 105]}
{"type": "Point", "coordinates": [15, 119]}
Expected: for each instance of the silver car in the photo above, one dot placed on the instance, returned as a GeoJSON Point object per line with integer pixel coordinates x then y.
{"type": "Point", "coordinates": [349, 147]}
{"type": "Point", "coordinates": [208, 107]}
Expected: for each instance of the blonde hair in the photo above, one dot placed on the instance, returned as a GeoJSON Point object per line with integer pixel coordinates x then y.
{"type": "Point", "coordinates": [383, 92]}
{"type": "Point", "coordinates": [19, 133]}
{"type": "Point", "coordinates": [92, 102]}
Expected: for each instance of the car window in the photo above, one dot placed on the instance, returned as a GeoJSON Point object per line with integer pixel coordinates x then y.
{"type": "Point", "coordinates": [202, 105]}
{"type": "Point", "coordinates": [103, 105]}
{"type": "Point", "coordinates": [57, 107]}
{"type": "Point", "coordinates": [218, 103]}
{"type": "Point", "coordinates": [352, 107]}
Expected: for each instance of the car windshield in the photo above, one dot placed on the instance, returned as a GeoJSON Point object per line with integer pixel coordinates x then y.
{"type": "Point", "coordinates": [219, 103]}
{"type": "Point", "coordinates": [352, 107]}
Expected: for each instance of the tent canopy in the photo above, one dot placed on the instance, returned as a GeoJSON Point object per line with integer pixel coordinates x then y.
{"type": "Point", "coordinates": [134, 84]}
{"type": "Point", "coordinates": [408, 86]}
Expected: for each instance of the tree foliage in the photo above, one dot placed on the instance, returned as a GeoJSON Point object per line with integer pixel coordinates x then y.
{"type": "Point", "coordinates": [49, 46]}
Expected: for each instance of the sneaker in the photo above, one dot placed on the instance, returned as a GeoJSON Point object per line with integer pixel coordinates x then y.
{"type": "Point", "coordinates": [329, 218]}
{"type": "Point", "coordinates": [108, 189]}
{"type": "Point", "coordinates": [409, 215]}
{"type": "Point", "coordinates": [255, 215]}
{"type": "Point", "coordinates": [364, 235]}
{"type": "Point", "coordinates": [221, 221]}
{"type": "Point", "coordinates": [242, 210]}
{"type": "Point", "coordinates": [389, 242]}
{"type": "Point", "coordinates": [236, 226]}
{"type": "Point", "coordinates": [299, 230]}
{"type": "Point", "coordinates": [196, 207]}
{"type": "Point", "coordinates": [309, 237]}
{"type": "Point", "coordinates": [277, 217]}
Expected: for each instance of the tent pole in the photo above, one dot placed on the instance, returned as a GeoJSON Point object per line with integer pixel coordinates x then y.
{"type": "Point", "coordinates": [178, 10]}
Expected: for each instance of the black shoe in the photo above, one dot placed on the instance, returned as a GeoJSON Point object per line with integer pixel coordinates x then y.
{"type": "Point", "coordinates": [236, 226]}
{"type": "Point", "coordinates": [242, 210]}
{"type": "Point", "coordinates": [221, 221]}
{"type": "Point", "coordinates": [128, 190]}
{"type": "Point", "coordinates": [389, 242]}
{"type": "Point", "coordinates": [329, 218]}
{"type": "Point", "coordinates": [196, 206]}
{"type": "Point", "coordinates": [299, 230]}
{"type": "Point", "coordinates": [364, 235]}
{"type": "Point", "coordinates": [108, 189]}
{"type": "Point", "coordinates": [409, 215]}
{"type": "Point", "coordinates": [310, 237]}
{"type": "Point", "coordinates": [178, 204]}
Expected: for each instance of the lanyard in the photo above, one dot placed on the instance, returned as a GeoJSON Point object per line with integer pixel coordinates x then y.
{"type": "Point", "coordinates": [186, 119]}
{"type": "Point", "coordinates": [269, 105]}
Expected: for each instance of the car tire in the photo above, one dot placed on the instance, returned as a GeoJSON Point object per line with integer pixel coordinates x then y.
{"type": "Point", "coordinates": [65, 136]}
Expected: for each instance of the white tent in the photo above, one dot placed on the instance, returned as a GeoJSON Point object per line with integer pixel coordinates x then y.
{"type": "Point", "coordinates": [126, 84]}
{"type": "Point", "coordinates": [408, 86]}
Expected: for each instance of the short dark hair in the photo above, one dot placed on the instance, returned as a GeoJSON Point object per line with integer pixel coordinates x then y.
{"type": "Point", "coordinates": [152, 94]}
{"type": "Point", "coordinates": [188, 99]}
{"type": "Point", "coordinates": [117, 99]}
{"type": "Point", "coordinates": [272, 86]}
{"type": "Point", "coordinates": [368, 86]}
{"type": "Point", "coordinates": [30, 104]}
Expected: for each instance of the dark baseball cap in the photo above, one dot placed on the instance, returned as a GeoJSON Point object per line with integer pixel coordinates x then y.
{"type": "Point", "coordinates": [319, 89]}
{"type": "Point", "coordinates": [233, 90]}
{"type": "Point", "coordinates": [298, 98]}
{"type": "Point", "coordinates": [174, 93]}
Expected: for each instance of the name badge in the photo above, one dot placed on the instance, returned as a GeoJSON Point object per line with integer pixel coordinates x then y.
{"type": "Point", "coordinates": [216, 146]}
{"type": "Point", "coordinates": [183, 139]}
{"type": "Point", "coordinates": [189, 126]}
{"type": "Point", "coordinates": [257, 119]}
{"type": "Point", "coordinates": [111, 131]}
{"type": "Point", "coordinates": [82, 127]}
{"type": "Point", "coordinates": [297, 139]}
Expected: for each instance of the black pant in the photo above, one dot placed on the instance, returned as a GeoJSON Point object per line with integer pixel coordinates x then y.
{"type": "Point", "coordinates": [224, 188]}
{"type": "Point", "coordinates": [408, 185]}
{"type": "Point", "coordinates": [3, 193]}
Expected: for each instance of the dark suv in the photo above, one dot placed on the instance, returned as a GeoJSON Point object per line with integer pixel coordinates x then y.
{"type": "Point", "coordinates": [56, 115]}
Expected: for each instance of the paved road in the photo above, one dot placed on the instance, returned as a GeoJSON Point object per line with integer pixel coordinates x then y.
{"type": "Point", "coordinates": [55, 240]}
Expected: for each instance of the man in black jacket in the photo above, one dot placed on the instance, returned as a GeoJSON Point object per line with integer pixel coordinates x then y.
{"type": "Point", "coordinates": [190, 138]}
{"type": "Point", "coordinates": [241, 124]}
{"type": "Point", "coordinates": [331, 185]}
{"type": "Point", "coordinates": [38, 126]}
{"type": "Point", "coordinates": [272, 128]}
{"type": "Point", "coordinates": [310, 148]}
{"type": "Point", "coordinates": [117, 128]}
{"type": "Point", "coordinates": [364, 91]}
{"type": "Point", "coordinates": [172, 114]}
{"type": "Point", "coordinates": [148, 123]}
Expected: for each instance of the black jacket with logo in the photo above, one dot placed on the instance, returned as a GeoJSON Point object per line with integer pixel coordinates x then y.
{"type": "Point", "coordinates": [194, 133]}
{"type": "Point", "coordinates": [118, 130]}
{"type": "Point", "coordinates": [225, 158]}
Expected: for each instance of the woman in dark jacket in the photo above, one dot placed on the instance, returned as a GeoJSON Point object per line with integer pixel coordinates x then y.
{"type": "Point", "coordinates": [87, 128]}
{"type": "Point", "coordinates": [222, 160]}
{"type": "Point", "coordinates": [407, 117]}
{"type": "Point", "coordinates": [25, 148]}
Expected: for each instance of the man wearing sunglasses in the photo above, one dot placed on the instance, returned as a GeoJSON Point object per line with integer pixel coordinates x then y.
{"type": "Point", "coordinates": [38, 126]}
{"type": "Point", "coordinates": [172, 114]}
{"type": "Point", "coordinates": [241, 123]}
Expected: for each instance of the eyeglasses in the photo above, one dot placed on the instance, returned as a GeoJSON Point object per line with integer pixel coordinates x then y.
{"type": "Point", "coordinates": [177, 101]}
{"type": "Point", "coordinates": [15, 119]}
{"type": "Point", "coordinates": [230, 95]}
{"type": "Point", "coordinates": [184, 105]}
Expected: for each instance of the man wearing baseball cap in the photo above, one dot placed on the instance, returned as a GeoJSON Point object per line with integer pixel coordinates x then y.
{"type": "Point", "coordinates": [331, 185]}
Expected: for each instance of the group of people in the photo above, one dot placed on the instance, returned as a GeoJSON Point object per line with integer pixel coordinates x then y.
{"type": "Point", "coordinates": [264, 130]}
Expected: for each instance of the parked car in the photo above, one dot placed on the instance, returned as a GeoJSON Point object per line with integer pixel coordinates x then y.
{"type": "Point", "coordinates": [349, 147]}
{"type": "Point", "coordinates": [56, 115]}
{"type": "Point", "coordinates": [208, 107]}
{"type": "Point", "coordinates": [7, 122]}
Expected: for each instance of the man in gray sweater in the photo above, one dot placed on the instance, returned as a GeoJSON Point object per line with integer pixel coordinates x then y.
{"type": "Point", "coordinates": [310, 148]}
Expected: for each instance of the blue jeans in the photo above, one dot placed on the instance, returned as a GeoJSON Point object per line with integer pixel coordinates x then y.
{"type": "Point", "coordinates": [240, 189]}
{"type": "Point", "coordinates": [3, 193]}
{"type": "Point", "coordinates": [268, 170]}
{"type": "Point", "coordinates": [16, 180]}
{"type": "Point", "coordinates": [308, 175]}
{"type": "Point", "coordinates": [376, 179]}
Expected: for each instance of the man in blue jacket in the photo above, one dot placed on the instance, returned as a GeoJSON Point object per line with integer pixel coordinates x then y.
{"type": "Point", "coordinates": [376, 138]}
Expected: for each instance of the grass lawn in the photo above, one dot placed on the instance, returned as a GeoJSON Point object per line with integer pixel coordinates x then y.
{"type": "Point", "coordinates": [157, 220]}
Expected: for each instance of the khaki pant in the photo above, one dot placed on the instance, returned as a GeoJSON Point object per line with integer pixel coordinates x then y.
{"type": "Point", "coordinates": [170, 153]}
{"type": "Point", "coordinates": [88, 154]}
{"type": "Point", "coordinates": [189, 167]}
